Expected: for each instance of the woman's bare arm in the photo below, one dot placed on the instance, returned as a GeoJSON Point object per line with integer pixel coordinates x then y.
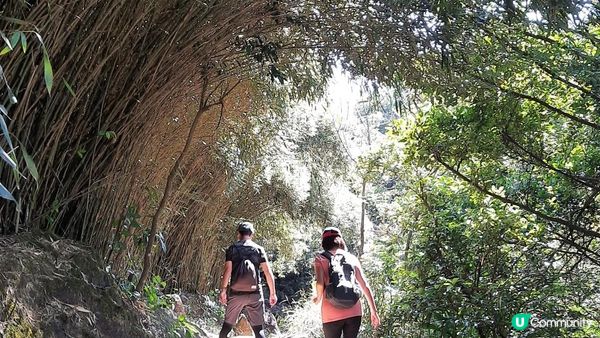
{"type": "Point", "coordinates": [364, 285]}
{"type": "Point", "coordinates": [320, 284]}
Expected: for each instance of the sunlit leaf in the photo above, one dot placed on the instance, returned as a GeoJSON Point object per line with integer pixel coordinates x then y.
{"type": "Point", "coordinates": [7, 159]}
{"type": "Point", "coordinates": [6, 40]}
{"type": "Point", "coordinates": [4, 129]}
{"type": "Point", "coordinates": [4, 193]}
{"type": "Point", "coordinates": [11, 95]}
{"type": "Point", "coordinates": [39, 37]}
{"type": "Point", "coordinates": [162, 242]}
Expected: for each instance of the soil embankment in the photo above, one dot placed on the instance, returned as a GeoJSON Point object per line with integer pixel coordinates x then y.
{"type": "Point", "coordinates": [59, 289]}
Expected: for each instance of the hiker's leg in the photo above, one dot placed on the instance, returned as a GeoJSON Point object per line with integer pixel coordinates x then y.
{"type": "Point", "coordinates": [256, 311]}
{"type": "Point", "coordinates": [225, 330]}
{"type": "Point", "coordinates": [351, 327]}
{"type": "Point", "coordinates": [333, 329]}
{"type": "Point", "coordinates": [232, 312]}
{"type": "Point", "coordinates": [259, 332]}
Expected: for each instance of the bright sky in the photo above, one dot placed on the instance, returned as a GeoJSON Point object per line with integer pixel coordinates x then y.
{"type": "Point", "coordinates": [339, 106]}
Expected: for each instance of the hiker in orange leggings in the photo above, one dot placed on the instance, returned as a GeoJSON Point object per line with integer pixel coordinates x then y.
{"type": "Point", "coordinates": [340, 283]}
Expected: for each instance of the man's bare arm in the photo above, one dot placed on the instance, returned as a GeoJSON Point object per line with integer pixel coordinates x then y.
{"type": "Point", "coordinates": [266, 268]}
{"type": "Point", "coordinates": [225, 281]}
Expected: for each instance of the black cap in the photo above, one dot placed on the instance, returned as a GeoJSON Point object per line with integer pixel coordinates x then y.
{"type": "Point", "coordinates": [245, 227]}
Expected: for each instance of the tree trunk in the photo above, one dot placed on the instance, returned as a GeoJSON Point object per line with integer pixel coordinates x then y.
{"type": "Point", "coordinates": [361, 248]}
{"type": "Point", "coordinates": [168, 188]}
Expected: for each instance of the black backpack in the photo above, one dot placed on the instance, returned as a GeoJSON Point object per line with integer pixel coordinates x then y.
{"type": "Point", "coordinates": [246, 277]}
{"type": "Point", "coordinates": [343, 290]}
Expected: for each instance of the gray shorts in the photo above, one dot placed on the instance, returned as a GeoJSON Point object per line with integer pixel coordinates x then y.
{"type": "Point", "coordinates": [252, 304]}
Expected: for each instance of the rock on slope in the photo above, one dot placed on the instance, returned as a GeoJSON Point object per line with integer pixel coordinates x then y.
{"type": "Point", "coordinates": [58, 289]}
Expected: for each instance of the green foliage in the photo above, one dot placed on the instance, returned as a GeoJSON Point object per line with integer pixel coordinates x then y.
{"type": "Point", "coordinates": [525, 135]}
{"type": "Point", "coordinates": [127, 287]}
{"type": "Point", "coordinates": [128, 228]}
{"type": "Point", "coordinates": [153, 291]}
{"type": "Point", "coordinates": [80, 152]}
{"type": "Point", "coordinates": [496, 191]}
{"type": "Point", "coordinates": [107, 134]}
{"type": "Point", "coordinates": [496, 185]}
{"type": "Point", "coordinates": [462, 263]}
{"type": "Point", "coordinates": [183, 328]}
{"type": "Point", "coordinates": [69, 88]}
{"type": "Point", "coordinates": [125, 230]}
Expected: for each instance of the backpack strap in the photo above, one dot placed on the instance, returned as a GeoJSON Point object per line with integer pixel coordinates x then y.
{"type": "Point", "coordinates": [327, 255]}
{"type": "Point", "coordinates": [237, 249]}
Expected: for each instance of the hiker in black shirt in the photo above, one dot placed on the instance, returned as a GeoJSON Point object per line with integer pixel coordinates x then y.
{"type": "Point", "coordinates": [243, 260]}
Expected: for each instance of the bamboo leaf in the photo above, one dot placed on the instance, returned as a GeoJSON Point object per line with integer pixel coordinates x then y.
{"type": "Point", "coordinates": [7, 159]}
{"type": "Point", "coordinates": [30, 165]}
{"type": "Point", "coordinates": [163, 243]}
{"type": "Point", "coordinates": [69, 88]}
{"type": "Point", "coordinates": [81, 152]}
{"type": "Point", "coordinates": [48, 73]}
{"type": "Point", "coordinates": [39, 37]}
{"type": "Point", "coordinates": [5, 51]}
{"type": "Point", "coordinates": [23, 42]}
{"type": "Point", "coordinates": [4, 193]}
{"type": "Point", "coordinates": [11, 95]}
{"type": "Point", "coordinates": [7, 41]}
{"type": "Point", "coordinates": [14, 39]}
{"type": "Point", "coordinates": [4, 129]}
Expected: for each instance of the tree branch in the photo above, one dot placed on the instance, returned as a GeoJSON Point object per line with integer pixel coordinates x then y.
{"type": "Point", "coordinates": [553, 219]}
{"type": "Point", "coordinates": [581, 180]}
{"type": "Point", "coordinates": [540, 102]}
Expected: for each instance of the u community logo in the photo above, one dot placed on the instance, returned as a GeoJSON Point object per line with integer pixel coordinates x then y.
{"type": "Point", "coordinates": [521, 321]}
